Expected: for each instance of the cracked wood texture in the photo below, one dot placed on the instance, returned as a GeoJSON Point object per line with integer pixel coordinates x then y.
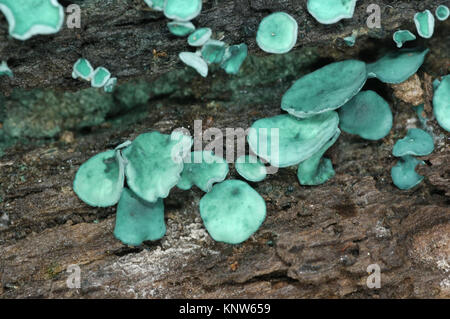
{"type": "Point", "coordinates": [315, 242]}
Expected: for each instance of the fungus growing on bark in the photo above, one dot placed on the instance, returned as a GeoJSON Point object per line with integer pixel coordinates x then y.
{"type": "Point", "coordinates": [251, 168]}
{"type": "Point", "coordinates": [402, 36]}
{"type": "Point", "coordinates": [277, 33]}
{"type": "Point", "coordinates": [331, 11]}
{"type": "Point", "coordinates": [416, 142]}
{"type": "Point", "coordinates": [424, 24]}
{"type": "Point", "coordinates": [441, 103]}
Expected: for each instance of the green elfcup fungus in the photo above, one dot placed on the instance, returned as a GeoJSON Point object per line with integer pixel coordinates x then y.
{"type": "Point", "coordinates": [27, 18]}
{"type": "Point", "coordinates": [404, 173]}
{"type": "Point", "coordinates": [331, 11]}
{"type": "Point", "coordinates": [82, 69]}
{"type": "Point", "coordinates": [213, 51]}
{"type": "Point", "coordinates": [110, 85]}
{"type": "Point", "coordinates": [199, 37]}
{"type": "Point", "coordinates": [442, 12]}
{"type": "Point", "coordinates": [154, 163]}
{"type": "Point", "coordinates": [424, 24]}
{"type": "Point", "coordinates": [441, 103]}
{"type": "Point", "coordinates": [180, 29]}
{"type": "Point", "coordinates": [100, 77]}
{"type": "Point", "coordinates": [325, 89]}
{"type": "Point", "coordinates": [397, 67]}
{"type": "Point", "coordinates": [182, 10]}
{"type": "Point", "coordinates": [203, 170]}
{"type": "Point", "coordinates": [367, 115]}
{"type": "Point", "coordinates": [196, 62]}
{"type": "Point", "coordinates": [351, 40]}
{"type": "Point", "coordinates": [284, 140]}
{"type": "Point", "coordinates": [277, 33]}
{"type": "Point", "coordinates": [251, 168]}
{"type": "Point", "coordinates": [100, 180]}
{"type": "Point", "coordinates": [416, 142]}
{"type": "Point", "coordinates": [5, 70]}
{"type": "Point", "coordinates": [316, 170]}
{"type": "Point", "coordinates": [137, 220]}
{"type": "Point", "coordinates": [157, 5]}
{"type": "Point", "coordinates": [232, 211]}
{"type": "Point", "coordinates": [234, 56]}
{"type": "Point", "coordinates": [402, 36]}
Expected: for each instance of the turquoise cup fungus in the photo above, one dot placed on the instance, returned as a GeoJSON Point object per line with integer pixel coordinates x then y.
{"type": "Point", "coordinates": [416, 142]}
{"type": "Point", "coordinates": [402, 36]}
{"type": "Point", "coordinates": [182, 10]}
{"type": "Point", "coordinates": [442, 12]}
{"type": "Point", "coordinates": [441, 103]}
{"type": "Point", "coordinates": [277, 33]}
{"type": "Point", "coordinates": [251, 168]}
{"type": "Point", "coordinates": [331, 11]}
{"type": "Point", "coordinates": [424, 23]}
{"type": "Point", "coordinates": [404, 173]}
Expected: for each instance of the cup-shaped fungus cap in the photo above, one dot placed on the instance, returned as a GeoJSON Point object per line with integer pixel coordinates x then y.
{"type": "Point", "coordinates": [203, 170]}
{"type": "Point", "coordinates": [316, 170]}
{"type": "Point", "coordinates": [180, 29]}
{"type": "Point", "coordinates": [396, 67]}
{"type": "Point", "coordinates": [196, 62]}
{"type": "Point", "coordinates": [277, 33]}
{"type": "Point", "coordinates": [199, 37]}
{"type": "Point", "coordinates": [100, 77]}
{"type": "Point", "coordinates": [99, 181]}
{"type": "Point", "coordinates": [402, 36]}
{"type": "Point", "coordinates": [441, 103]}
{"type": "Point", "coordinates": [28, 18]}
{"type": "Point", "coordinates": [234, 56]}
{"type": "Point", "coordinates": [232, 211]}
{"type": "Point", "coordinates": [110, 85]}
{"type": "Point", "coordinates": [5, 70]}
{"type": "Point", "coordinates": [367, 115]}
{"type": "Point", "coordinates": [182, 10]}
{"type": "Point", "coordinates": [213, 51]}
{"type": "Point", "coordinates": [157, 5]}
{"type": "Point", "coordinates": [325, 89]}
{"type": "Point", "coordinates": [331, 11]}
{"type": "Point", "coordinates": [82, 69]}
{"type": "Point", "coordinates": [404, 173]}
{"type": "Point", "coordinates": [155, 162]}
{"type": "Point", "coordinates": [137, 220]}
{"type": "Point", "coordinates": [251, 168]}
{"type": "Point", "coordinates": [424, 24]}
{"type": "Point", "coordinates": [442, 12]}
{"type": "Point", "coordinates": [284, 140]}
{"type": "Point", "coordinates": [416, 142]}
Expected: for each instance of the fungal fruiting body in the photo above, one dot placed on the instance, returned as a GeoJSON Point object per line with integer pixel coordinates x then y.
{"type": "Point", "coordinates": [277, 33]}
{"type": "Point", "coordinates": [441, 103]}
{"type": "Point", "coordinates": [424, 23]}
{"type": "Point", "coordinates": [331, 11]}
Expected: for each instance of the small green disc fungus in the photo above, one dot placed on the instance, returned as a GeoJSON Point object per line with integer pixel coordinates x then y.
{"type": "Point", "coordinates": [182, 10]}
{"type": "Point", "coordinates": [5, 70]}
{"type": "Point", "coordinates": [367, 115]}
{"type": "Point", "coordinates": [110, 85]}
{"type": "Point", "coordinates": [325, 89]}
{"type": "Point", "coordinates": [138, 221]}
{"type": "Point", "coordinates": [441, 103]}
{"type": "Point", "coordinates": [27, 18]}
{"type": "Point", "coordinates": [404, 173]}
{"type": "Point", "coordinates": [442, 12]}
{"type": "Point", "coordinates": [232, 211]}
{"type": "Point", "coordinates": [284, 140]}
{"type": "Point", "coordinates": [397, 67]}
{"type": "Point", "coordinates": [100, 77]}
{"type": "Point", "coordinates": [180, 29]}
{"type": "Point", "coordinates": [234, 56]}
{"type": "Point", "coordinates": [195, 61]}
{"type": "Point", "coordinates": [157, 5]}
{"type": "Point", "coordinates": [203, 170]}
{"type": "Point", "coordinates": [331, 11]}
{"type": "Point", "coordinates": [424, 24]}
{"type": "Point", "coordinates": [316, 170]}
{"type": "Point", "coordinates": [82, 69]}
{"type": "Point", "coordinates": [199, 37]}
{"type": "Point", "coordinates": [251, 168]}
{"type": "Point", "coordinates": [155, 162]}
{"type": "Point", "coordinates": [350, 40]}
{"type": "Point", "coordinates": [402, 36]}
{"type": "Point", "coordinates": [213, 51]}
{"type": "Point", "coordinates": [99, 181]}
{"type": "Point", "coordinates": [416, 142]}
{"type": "Point", "coordinates": [277, 33]}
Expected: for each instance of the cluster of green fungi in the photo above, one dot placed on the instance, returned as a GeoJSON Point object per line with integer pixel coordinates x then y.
{"type": "Point", "coordinates": [100, 77]}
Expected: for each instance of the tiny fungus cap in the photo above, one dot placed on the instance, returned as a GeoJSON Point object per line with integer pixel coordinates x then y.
{"type": "Point", "coordinates": [213, 51]}
{"type": "Point", "coordinates": [180, 29]}
{"type": "Point", "coordinates": [325, 89]}
{"type": "Point", "coordinates": [367, 115]}
{"type": "Point", "coordinates": [182, 10]}
{"type": "Point", "coordinates": [402, 36]}
{"type": "Point", "coordinates": [157, 5]}
{"type": "Point", "coordinates": [137, 220]}
{"type": "Point", "coordinates": [82, 69]}
{"type": "Point", "coordinates": [331, 11]}
{"type": "Point", "coordinates": [251, 168]}
{"type": "Point", "coordinates": [110, 85]}
{"type": "Point", "coordinates": [199, 37]}
{"type": "Point", "coordinates": [441, 103]}
{"type": "Point", "coordinates": [277, 33]}
{"type": "Point", "coordinates": [28, 18]}
{"type": "Point", "coordinates": [99, 181]}
{"type": "Point", "coordinates": [442, 12]}
{"type": "Point", "coordinates": [100, 77]}
{"type": "Point", "coordinates": [234, 56]}
{"type": "Point", "coordinates": [232, 211]}
{"type": "Point", "coordinates": [404, 173]}
{"type": "Point", "coordinates": [203, 170]}
{"type": "Point", "coordinates": [195, 61]}
{"type": "Point", "coordinates": [424, 24]}
{"type": "Point", "coordinates": [5, 70]}
{"type": "Point", "coordinates": [416, 142]}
